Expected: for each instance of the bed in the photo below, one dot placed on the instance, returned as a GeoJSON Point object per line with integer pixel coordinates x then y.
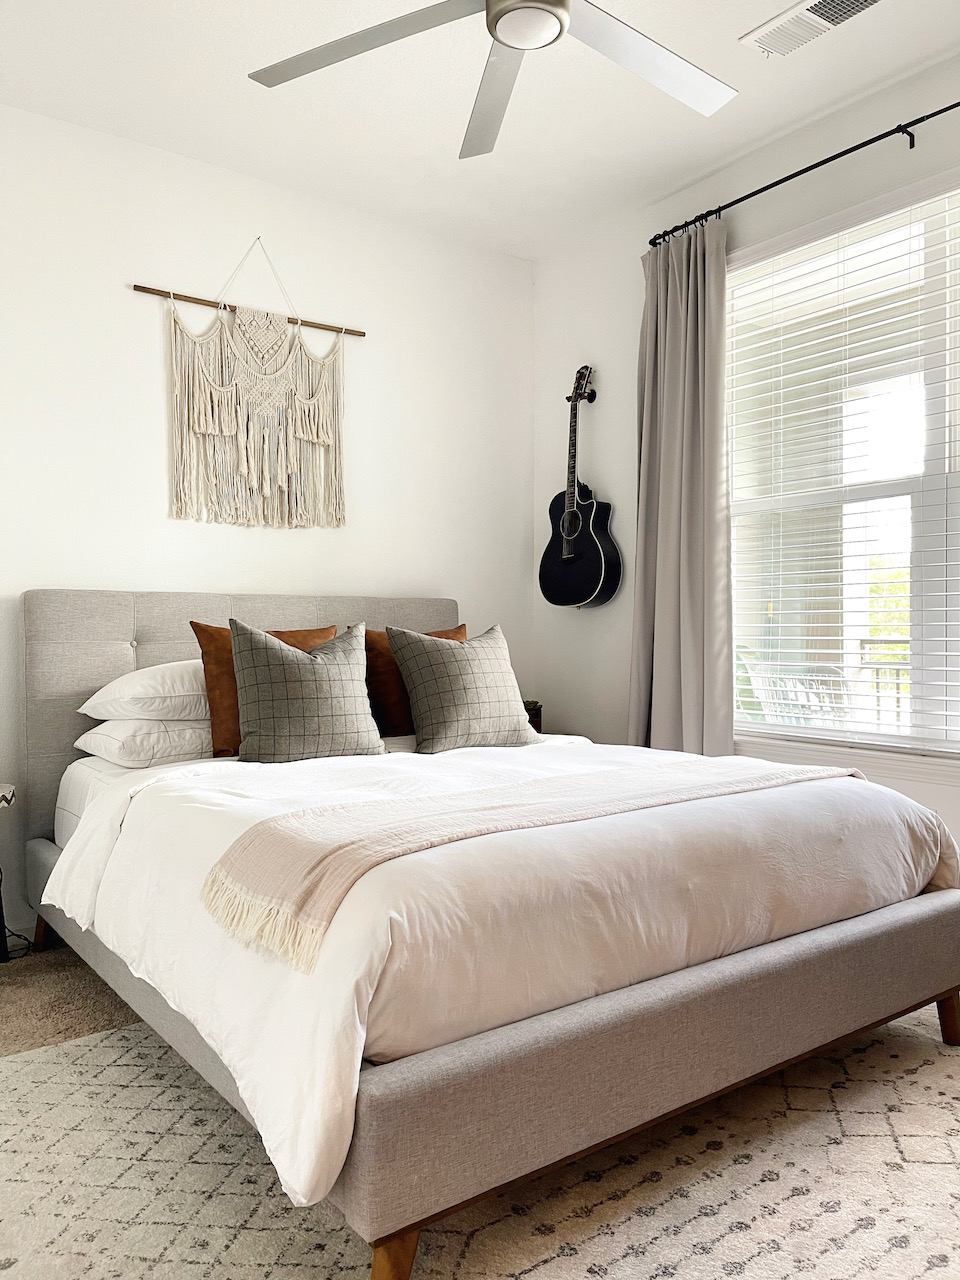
{"type": "Point", "coordinates": [438, 1128]}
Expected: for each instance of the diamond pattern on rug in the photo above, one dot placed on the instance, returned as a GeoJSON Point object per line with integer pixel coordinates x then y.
{"type": "Point", "coordinates": [118, 1162]}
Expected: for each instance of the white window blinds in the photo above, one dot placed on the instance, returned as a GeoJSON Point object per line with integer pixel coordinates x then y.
{"type": "Point", "coordinates": [844, 417]}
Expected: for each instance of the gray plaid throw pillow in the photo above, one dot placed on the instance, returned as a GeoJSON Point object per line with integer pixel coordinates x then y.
{"type": "Point", "coordinates": [298, 706]}
{"type": "Point", "coordinates": [462, 694]}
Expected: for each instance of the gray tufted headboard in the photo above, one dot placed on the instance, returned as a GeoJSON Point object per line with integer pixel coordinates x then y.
{"type": "Point", "coordinates": [74, 642]}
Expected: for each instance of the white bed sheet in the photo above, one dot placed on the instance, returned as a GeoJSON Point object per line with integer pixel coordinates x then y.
{"type": "Point", "coordinates": [441, 944]}
{"type": "Point", "coordinates": [81, 783]}
{"type": "Point", "coordinates": [90, 776]}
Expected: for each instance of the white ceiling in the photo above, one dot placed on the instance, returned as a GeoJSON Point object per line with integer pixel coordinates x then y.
{"type": "Point", "coordinates": [382, 131]}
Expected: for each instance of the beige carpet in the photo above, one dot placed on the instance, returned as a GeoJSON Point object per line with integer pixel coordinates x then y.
{"type": "Point", "coordinates": [51, 996]}
{"type": "Point", "coordinates": [118, 1162]}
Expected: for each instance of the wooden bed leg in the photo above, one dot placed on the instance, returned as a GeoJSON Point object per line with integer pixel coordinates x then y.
{"type": "Point", "coordinates": [393, 1258]}
{"type": "Point", "coordinates": [949, 1010]}
{"type": "Point", "coordinates": [43, 935]}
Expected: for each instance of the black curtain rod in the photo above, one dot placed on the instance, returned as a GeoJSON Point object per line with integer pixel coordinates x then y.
{"type": "Point", "coordinates": [905, 129]}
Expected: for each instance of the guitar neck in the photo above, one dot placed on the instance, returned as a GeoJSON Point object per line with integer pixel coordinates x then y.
{"type": "Point", "coordinates": [571, 499]}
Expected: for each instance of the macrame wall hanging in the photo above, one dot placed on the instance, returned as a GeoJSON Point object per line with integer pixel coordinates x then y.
{"type": "Point", "coordinates": [256, 419]}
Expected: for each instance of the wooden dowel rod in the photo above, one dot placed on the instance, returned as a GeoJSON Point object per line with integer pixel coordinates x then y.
{"type": "Point", "coordinates": [207, 302]}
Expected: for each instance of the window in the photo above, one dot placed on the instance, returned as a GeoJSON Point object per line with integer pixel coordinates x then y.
{"type": "Point", "coordinates": [843, 401]}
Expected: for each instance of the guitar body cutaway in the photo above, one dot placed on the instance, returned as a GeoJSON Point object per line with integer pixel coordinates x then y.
{"type": "Point", "coordinates": [582, 570]}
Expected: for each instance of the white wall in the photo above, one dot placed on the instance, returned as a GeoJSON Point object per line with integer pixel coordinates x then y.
{"type": "Point", "coordinates": [589, 300]}
{"type": "Point", "coordinates": [438, 452]}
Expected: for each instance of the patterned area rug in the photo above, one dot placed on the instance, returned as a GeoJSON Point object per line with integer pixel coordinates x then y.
{"type": "Point", "coordinates": [117, 1161]}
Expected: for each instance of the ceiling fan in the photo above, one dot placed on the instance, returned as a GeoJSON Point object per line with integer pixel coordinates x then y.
{"type": "Point", "coordinates": [518, 26]}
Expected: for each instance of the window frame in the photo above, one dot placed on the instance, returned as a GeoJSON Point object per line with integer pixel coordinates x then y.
{"type": "Point", "coordinates": [930, 505]}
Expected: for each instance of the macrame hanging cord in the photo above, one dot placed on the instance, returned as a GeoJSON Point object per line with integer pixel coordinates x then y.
{"type": "Point", "coordinates": [257, 419]}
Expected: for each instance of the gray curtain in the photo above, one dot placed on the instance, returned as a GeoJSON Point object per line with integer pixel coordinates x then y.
{"type": "Point", "coordinates": [681, 693]}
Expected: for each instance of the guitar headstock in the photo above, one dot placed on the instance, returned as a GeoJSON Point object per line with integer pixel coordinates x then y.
{"type": "Point", "coordinates": [581, 386]}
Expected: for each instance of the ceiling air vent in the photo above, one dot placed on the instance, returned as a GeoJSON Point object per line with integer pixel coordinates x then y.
{"type": "Point", "coordinates": [802, 23]}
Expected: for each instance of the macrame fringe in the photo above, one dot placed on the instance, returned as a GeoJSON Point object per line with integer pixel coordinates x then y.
{"type": "Point", "coordinates": [252, 447]}
{"type": "Point", "coordinates": [259, 924]}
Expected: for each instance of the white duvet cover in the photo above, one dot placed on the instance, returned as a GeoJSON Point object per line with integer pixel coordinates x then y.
{"type": "Point", "coordinates": [451, 941]}
{"type": "Point", "coordinates": [87, 778]}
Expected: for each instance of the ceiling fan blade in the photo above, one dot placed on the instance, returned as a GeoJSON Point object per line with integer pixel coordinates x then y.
{"type": "Point", "coordinates": [410, 24]}
{"type": "Point", "coordinates": [493, 96]}
{"type": "Point", "coordinates": [647, 59]}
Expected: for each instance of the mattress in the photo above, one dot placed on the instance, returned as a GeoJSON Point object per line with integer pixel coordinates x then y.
{"type": "Point", "coordinates": [89, 777]}
{"type": "Point", "coordinates": [82, 782]}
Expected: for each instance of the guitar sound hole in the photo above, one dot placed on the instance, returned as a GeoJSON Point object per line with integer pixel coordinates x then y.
{"type": "Point", "coordinates": [570, 524]}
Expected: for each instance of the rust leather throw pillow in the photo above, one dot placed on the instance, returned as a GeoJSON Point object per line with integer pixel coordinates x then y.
{"type": "Point", "coordinates": [221, 680]}
{"type": "Point", "coordinates": [388, 695]}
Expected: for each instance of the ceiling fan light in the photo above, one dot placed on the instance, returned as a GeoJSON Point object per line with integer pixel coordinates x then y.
{"type": "Point", "coordinates": [527, 24]}
{"type": "Point", "coordinates": [528, 28]}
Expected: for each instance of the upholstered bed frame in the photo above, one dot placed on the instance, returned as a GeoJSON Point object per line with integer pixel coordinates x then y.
{"type": "Point", "coordinates": [441, 1128]}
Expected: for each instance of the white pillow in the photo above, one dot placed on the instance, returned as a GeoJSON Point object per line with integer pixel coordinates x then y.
{"type": "Point", "coordinates": [169, 691]}
{"type": "Point", "coordinates": [137, 744]}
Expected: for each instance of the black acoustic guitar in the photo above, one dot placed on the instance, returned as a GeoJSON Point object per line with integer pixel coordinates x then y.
{"type": "Point", "coordinates": [581, 566]}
